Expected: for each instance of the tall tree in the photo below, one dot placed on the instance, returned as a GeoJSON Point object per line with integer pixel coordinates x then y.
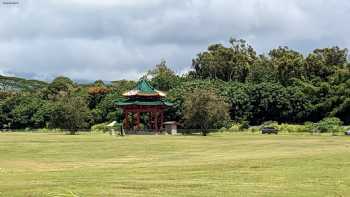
{"type": "Point", "coordinates": [205, 110]}
{"type": "Point", "coordinates": [262, 70]}
{"type": "Point", "coordinates": [288, 63]}
{"type": "Point", "coordinates": [225, 63]}
{"type": "Point", "coordinates": [70, 113]}
{"type": "Point", "coordinates": [59, 87]}
{"type": "Point", "coordinates": [333, 56]}
{"type": "Point", "coordinates": [323, 63]}
{"type": "Point", "coordinates": [162, 77]}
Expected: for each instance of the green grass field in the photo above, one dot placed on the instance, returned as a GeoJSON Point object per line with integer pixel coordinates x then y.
{"type": "Point", "coordinates": [217, 165]}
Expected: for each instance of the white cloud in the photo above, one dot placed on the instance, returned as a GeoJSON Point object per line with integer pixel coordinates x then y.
{"type": "Point", "coordinates": [114, 39]}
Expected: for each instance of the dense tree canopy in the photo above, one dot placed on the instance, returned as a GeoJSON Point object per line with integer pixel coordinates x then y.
{"type": "Point", "coordinates": [70, 113]}
{"type": "Point", "coordinates": [162, 77]}
{"type": "Point", "coordinates": [226, 63]}
{"type": "Point", "coordinates": [282, 85]}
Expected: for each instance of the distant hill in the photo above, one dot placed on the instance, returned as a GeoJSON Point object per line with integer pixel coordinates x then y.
{"type": "Point", "coordinates": [15, 84]}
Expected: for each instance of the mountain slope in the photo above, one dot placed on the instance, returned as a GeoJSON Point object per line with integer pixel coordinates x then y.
{"type": "Point", "coordinates": [15, 84]}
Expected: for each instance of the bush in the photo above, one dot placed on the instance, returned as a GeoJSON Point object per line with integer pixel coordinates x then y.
{"type": "Point", "coordinates": [204, 109]}
{"type": "Point", "coordinates": [244, 125]}
{"type": "Point", "coordinates": [224, 124]}
{"type": "Point", "coordinates": [310, 127]}
{"type": "Point", "coordinates": [231, 127]}
{"type": "Point", "coordinates": [332, 124]}
{"type": "Point", "coordinates": [290, 128]}
{"type": "Point", "coordinates": [235, 127]}
{"type": "Point", "coordinates": [254, 129]}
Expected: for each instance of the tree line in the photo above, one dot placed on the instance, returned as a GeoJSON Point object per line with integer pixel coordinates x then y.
{"type": "Point", "coordinates": [233, 82]}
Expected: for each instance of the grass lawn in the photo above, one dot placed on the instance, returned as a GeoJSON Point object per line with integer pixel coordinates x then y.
{"type": "Point", "coordinates": [217, 165]}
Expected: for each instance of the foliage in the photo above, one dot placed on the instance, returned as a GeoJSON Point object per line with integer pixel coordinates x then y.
{"type": "Point", "coordinates": [96, 95]}
{"type": "Point", "coordinates": [204, 109]}
{"type": "Point", "coordinates": [288, 63]}
{"type": "Point", "coordinates": [244, 125]}
{"type": "Point", "coordinates": [106, 110]}
{"type": "Point", "coordinates": [58, 88]}
{"type": "Point", "coordinates": [329, 125]}
{"type": "Point", "coordinates": [162, 77]}
{"type": "Point", "coordinates": [310, 127]}
{"type": "Point", "coordinates": [332, 125]}
{"type": "Point", "coordinates": [225, 63]}
{"type": "Point", "coordinates": [70, 114]}
{"type": "Point", "coordinates": [283, 85]}
{"type": "Point", "coordinates": [234, 127]}
{"type": "Point", "coordinates": [121, 86]}
{"type": "Point", "coordinates": [292, 128]}
{"type": "Point", "coordinates": [21, 111]}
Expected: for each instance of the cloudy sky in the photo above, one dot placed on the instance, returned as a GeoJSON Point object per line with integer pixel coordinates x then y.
{"type": "Point", "coordinates": [119, 39]}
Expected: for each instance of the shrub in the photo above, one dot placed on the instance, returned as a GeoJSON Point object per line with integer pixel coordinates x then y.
{"type": "Point", "coordinates": [222, 130]}
{"type": "Point", "coordinates": [244, 125]}
{"type": "Point", "coordinates": [332, 124]}
{"type": "Point", "coordinates": [254, 129]}
{"type": "Point", "coordinates": [224, 124]}
{"type": "Point", "coordinates": [231, 127]}
{"type": "Point", "coordinates": [235, 127]}
{"type": "Point", "coordinates": [290, 128]}
{"type": "Point", "coordinates": [310, 127]}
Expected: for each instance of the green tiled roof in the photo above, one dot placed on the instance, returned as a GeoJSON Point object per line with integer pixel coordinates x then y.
{"type": "Point", "coordinates": [143, 95]}
{"type": "Point", "coordinates": [144, 89]}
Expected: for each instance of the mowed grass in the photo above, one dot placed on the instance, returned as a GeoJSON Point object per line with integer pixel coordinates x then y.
{"type": "Point", "coordinates": [217, 165]}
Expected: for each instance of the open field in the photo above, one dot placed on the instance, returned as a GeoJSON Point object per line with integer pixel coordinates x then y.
{"type": "Point", "coordinates": [218, 165]}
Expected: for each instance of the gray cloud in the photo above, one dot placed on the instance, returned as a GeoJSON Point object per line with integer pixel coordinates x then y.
{"type": "Point", "coordinates": [110, 40]}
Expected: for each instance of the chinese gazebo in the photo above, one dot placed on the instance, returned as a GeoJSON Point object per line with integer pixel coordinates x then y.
{"type": "Point", "coordinates": [143, 100]}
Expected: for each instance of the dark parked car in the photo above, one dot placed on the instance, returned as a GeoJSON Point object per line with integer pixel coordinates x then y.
{"type": "Point", "coordinates": [347, 132]}
{"type": "Point", "coordinates": [269, 130]}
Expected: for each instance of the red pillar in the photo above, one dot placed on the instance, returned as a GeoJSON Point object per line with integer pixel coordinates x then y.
{"type": "Point", "coordinates": [150, 119]}
{"type": "Point", "coordinates": [126, 113]}
{"type": "Point", "coordinates": [132, 121]}
{"type": "Point", "coordinates": [156, 121]}
{"type": "Point", "coordinates": [161, 119]}
{"type": "Point", "coordinates": [138, 120]}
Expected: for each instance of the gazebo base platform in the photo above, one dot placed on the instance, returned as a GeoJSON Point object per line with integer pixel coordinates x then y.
{"type": "Point", "coordinates": [145, 132]}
